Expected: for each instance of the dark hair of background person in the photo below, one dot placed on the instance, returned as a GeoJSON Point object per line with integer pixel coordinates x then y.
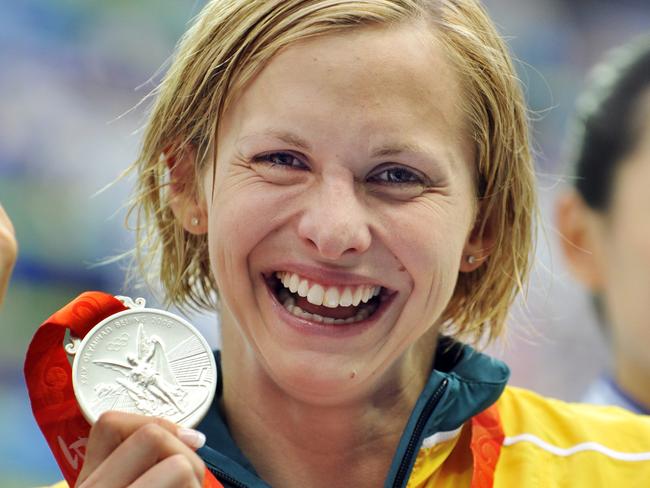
{"type": "Point", "coordinates": [607, 125]}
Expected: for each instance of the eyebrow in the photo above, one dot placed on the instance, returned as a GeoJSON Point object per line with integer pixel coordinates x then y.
{"type": "Point", "coordinates": [399, 148]}
{"type": "Point", "coordinates": [288, 138]}
{"type": "Point", "coordinates": [386, 150]}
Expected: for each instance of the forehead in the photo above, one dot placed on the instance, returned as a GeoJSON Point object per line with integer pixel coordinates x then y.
{"type": "Point", "coordinates": [376, 79]}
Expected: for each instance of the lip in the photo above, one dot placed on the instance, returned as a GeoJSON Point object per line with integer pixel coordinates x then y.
{"type": "Point", "coordinates": [310, 328]}
{"type": "Point", "coordinates": [326, 277]}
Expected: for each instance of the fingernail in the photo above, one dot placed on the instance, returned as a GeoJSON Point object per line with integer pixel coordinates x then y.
{"type": "Point", "coordinates": [193, 438]}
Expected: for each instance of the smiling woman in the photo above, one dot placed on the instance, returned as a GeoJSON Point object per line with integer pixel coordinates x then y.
{"type": "Point", "coordinates": [345, 181]}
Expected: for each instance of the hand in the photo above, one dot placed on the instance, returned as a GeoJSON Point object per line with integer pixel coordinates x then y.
{"type": "Point", "coordinates": [8, 251]}
{"type": "Point", "coordinates": [137, 451]}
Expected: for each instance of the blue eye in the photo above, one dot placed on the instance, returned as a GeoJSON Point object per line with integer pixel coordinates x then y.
{"type": "Point", "coordinates": [286, 160]}
{"type": "Point", "coordinates": [397, 175]}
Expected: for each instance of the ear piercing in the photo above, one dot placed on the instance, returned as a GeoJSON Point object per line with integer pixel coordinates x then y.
{"type": "Point", "coordinates": [471, 259]}
{"type": "Point", "coordinates": [194, 221]}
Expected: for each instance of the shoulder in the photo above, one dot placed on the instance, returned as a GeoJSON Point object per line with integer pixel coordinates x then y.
{"type": "Point", "coordinates": [524, 411]}
{"type": "Point", "coordinates": [583, 443]}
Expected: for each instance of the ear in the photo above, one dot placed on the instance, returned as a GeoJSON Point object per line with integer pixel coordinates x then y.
{"type": "Point", "coordinates": [185, 196]}
{"type": "Point", "coordinates": [580, 229]}
{"type": "Point", "coordinates": [478, 245]}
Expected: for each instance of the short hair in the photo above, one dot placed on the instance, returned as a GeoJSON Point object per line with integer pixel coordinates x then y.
{"type": "Point", "coordinates": [232, 40]}
{"type": "Point", "coordinates": [606, 123]}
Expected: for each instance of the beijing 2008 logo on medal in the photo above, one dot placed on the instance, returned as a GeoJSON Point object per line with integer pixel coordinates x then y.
{"type": "Point", "coordinates": [144, 361]}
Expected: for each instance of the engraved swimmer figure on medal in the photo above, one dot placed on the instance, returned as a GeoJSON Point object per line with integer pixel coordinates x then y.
{"type": "Point", "coordinates": [148, 378]}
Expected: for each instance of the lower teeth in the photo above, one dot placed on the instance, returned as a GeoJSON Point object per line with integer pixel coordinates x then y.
{"type": "Point", "coordinates": [289, 304]}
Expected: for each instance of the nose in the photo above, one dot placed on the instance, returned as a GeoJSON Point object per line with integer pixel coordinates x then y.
{"type": "Point", "coordinates": [335, 220]}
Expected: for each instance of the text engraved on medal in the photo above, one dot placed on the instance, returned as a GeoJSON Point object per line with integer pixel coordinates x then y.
{"type": "Point", "coordinates": [83, 374]}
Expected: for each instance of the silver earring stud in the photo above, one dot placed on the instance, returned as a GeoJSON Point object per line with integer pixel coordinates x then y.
{"type": "Point", "coordinates": [194, 221]}
{"type": "Point", "coordinates": [471, 259]}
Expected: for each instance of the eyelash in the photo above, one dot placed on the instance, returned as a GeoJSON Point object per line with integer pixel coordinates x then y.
{"type": "Point", "coordinates": [414, 178]}
{"type": "Point", "coordinates": [269, 159]}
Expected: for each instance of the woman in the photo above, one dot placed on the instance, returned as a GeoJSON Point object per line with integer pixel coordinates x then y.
{"type": "Point", "coordinates": [604, 218]}
{"type": "Point", "coordinates": [351, 179]}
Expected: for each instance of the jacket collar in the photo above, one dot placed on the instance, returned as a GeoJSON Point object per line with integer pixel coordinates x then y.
{"type": "Point", "coordinates": [463, 383]}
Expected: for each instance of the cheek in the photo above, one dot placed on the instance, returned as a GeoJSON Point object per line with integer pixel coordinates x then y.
{"type": "Point", "coordinates": [239, 220]}
{"type": "Point", "coordinates": [428, 239]}
{"type": "Point", "coordinates": [629, 241]}
{"type": "Point", "coordinates": [628, 277]}
{"type": "Point", "coordinates": [246, 211]}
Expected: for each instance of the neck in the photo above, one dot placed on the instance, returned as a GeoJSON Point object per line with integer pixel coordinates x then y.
{"type": "Point", "coordinates": [292, 443]}
{"type": "Point", "coordinates": [633, 378]}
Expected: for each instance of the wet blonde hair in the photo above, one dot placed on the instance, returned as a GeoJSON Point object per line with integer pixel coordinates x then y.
{"type": "Point", "coordinates": [232, 40]}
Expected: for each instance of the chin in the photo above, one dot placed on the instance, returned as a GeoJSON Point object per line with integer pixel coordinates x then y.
{"type": "Point", "coordinates": [323, 379]}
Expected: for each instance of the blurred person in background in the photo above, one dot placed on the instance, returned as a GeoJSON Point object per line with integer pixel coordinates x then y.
{"type": "Point", "coordinates": [8, 251]}
{"type": "Point", "coordinates": [604, 219]}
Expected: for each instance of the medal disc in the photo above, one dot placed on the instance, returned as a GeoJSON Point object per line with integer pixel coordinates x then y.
{"type": "Point", "coordinates": [145, 361]}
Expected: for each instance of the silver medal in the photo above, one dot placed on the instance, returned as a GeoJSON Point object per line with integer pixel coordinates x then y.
{"type": "Point", "coordinates": [144, 361]}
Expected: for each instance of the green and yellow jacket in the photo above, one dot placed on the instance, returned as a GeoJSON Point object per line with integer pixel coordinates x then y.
{"type": "Point", "coordinates": [469, 429]}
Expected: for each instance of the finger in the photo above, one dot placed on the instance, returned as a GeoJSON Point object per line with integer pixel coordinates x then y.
{"type": "Point", "coordinates": [148, 446]}
{"type": "Point", "coordinates": [6, 227]}
{"type": "Point", "coordinates": [8, 244]}
{"type": "Point", "coordinates": [4, 218]}
{"type": "Point", "coordinates": [8, 251]}
{"type": "Point", "coordinates": [111, 430]}
{"type": "Point", "coordinates": [174, 472]}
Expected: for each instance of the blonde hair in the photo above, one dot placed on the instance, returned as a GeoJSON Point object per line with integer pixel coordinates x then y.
{"type": "Point", "coordinates": [232, 40]}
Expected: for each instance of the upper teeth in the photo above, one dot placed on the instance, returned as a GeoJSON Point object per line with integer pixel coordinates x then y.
{"type": "Point", "coordinates": [328, 296]}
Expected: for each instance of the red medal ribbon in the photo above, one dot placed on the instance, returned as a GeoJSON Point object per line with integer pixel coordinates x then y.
{"type": "Point", "coordinates": [487, 439]}
{"type": "Point", "coordinates": [48, 376]}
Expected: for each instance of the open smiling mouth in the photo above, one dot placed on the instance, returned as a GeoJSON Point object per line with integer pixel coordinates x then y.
{"type": "Point", "coordinates": [342, 304]}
